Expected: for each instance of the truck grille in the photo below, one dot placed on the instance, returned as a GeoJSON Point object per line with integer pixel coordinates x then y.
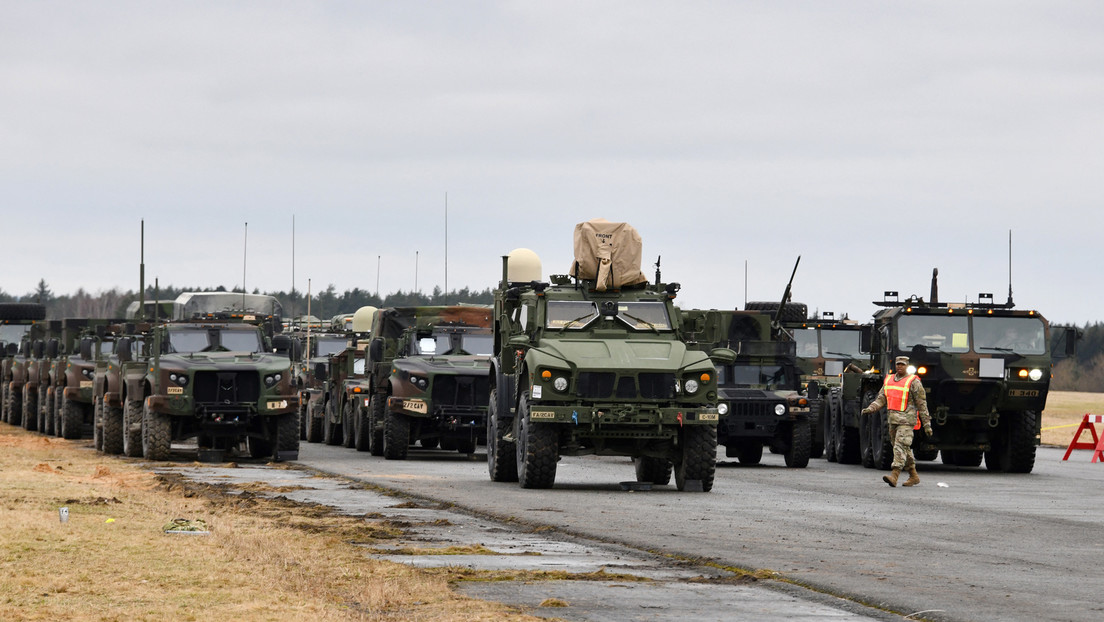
{"type": "Point", "coordinates": [226, 387]}
{"type": "Point", "coordinates": [649, 386]}
{"type": "Point", "coordinates": [468, 392]}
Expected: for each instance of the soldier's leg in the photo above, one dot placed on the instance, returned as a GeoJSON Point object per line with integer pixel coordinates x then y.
{"type": "Point", "coordinates": [902, 442]}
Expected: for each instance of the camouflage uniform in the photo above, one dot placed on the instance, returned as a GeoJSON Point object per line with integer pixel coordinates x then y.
{"type": "Point", "coordinates": [901, 423]}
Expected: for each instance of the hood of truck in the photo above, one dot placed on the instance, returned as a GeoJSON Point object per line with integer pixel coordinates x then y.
{"type": "Point", "coordinates": [462, 364]}
{"type": "Point", "coordinates": [225, 360]}
{"type": "Point", "coordinates": [641, 354]}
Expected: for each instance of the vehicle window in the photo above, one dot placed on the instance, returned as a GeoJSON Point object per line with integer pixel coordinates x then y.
{"type": "Point", "coordinates": [1022, 335]}
{"type": "Point", "coordinates": [481, 345]}
{"type": "Point", "coordinates": [721, 376]}
{"type": "Point", "coordinates": [841, 344]}
{"type": "Point", "coordinates": [766, 376]}
{"type": "Point", "coordinates": [430, 345]}
{"type": "Point", "coordinates": [185, 341]}
{"type": "Point", "coordinates": [806, 339]}
{"type": "Point", "coordinates": [644, 315]}
{"type": "Point", "coordinates": [943, 333]}
{"type": "Point", "coordinates": [570, 314]}
{"type": "Point", "coordinates": [240, 340]}
{"type": "Point", "coordinates": [358, 366]}
{"type": "Point", "coordinates": [329, 345]}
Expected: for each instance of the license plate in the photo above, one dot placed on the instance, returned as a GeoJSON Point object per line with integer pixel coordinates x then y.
{"type": "Point", "coordinates": [274, 404]}
{"type": "Point", "coordinates": [1023, 393]}
{"type": "Point", "coordinates": [542, 414]}
{"type": "Point", "coordinates": [175, 390]}
{"type": "Point", "coordinates": [707, 417]}
{"type": "Point", "coordinates": [417, 406]}
{"type": "Point", "coordinates": [86, 384]}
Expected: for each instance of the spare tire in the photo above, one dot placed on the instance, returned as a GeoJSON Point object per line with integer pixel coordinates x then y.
{"type": "Point", "coordinates": [794, 311]}
{"type": "Point", "coordinates": [22, 311]}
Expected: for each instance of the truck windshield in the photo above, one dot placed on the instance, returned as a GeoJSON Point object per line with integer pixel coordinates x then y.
{"type": "Point", "coordinates": [330, 345]}
{"type": "Point", "coordinates": [1022, 335]}
{"type": "Point", "coordinates": [764, 376]}
{"type": "Point", "coordinates": [200, 340]}
{"type": "Point", "coordinates": [841, 344]}
{"type": "Point", "coordinates": [12, 333]}
{"type": "Point", "coordinates": [644, 315]}
{"type": "Point", "coordinates": [570, 314]}
{"type": "Point", "coordinates": [480, 345]}
{"type": "Point", "coordinates": [943, 333]}
{"type": "Point", "coordinates": [806, 341]}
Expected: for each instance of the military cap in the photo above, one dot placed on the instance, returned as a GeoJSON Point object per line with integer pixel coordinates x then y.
{"type": "Point", "coordinates": [901, 360]}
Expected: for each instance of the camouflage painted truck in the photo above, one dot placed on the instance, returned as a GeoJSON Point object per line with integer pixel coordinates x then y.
{"type": "Point", "coordinates": [120, 363]}
{"type": "Point", "coordinates": [428, 368]}
{"type": "Point", "coordinates": [345, 390]}
{"type": "Point", "coordinates": [986, 368]}
{"type": "Point", "coordinates": [310, 377]}
{"type": "Point", "coordinates": [761, 398]}
{"type": "Point", "coordinates": [214, 377]}
{"type": "Point", "coordinates": [827, 346]}
{"type": "Point", "coordinates": [20, 324]}
{"type": "Point", "coordinates": [596, 363]}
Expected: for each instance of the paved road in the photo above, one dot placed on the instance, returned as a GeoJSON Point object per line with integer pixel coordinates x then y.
{"type": "Point", "coordinates": [984, 547]}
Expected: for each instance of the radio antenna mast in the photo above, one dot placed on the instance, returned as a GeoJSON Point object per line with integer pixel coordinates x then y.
{"type": "Point", "coordinates": [1009, 268]}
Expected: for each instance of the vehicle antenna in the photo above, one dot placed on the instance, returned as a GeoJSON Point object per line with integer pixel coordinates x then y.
{"type": "Point", "coordinates": [292, 297]}
{"type": "Point", "coordinates": [245, 250]}
{"type": "Point", "coordinates": [446, 249]}
{"type": "Point", "coordinates": [1010, 269]}
{"type": "Point", "coordinates": [142, 274]}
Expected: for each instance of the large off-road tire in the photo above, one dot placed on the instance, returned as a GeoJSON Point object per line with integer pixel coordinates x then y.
{"type": "Point", "coordinates": [132, 425]}
{"type": "Point", "coordinates": [361, 429]}
{"type": "Point", "coordinates": [538, 449]}
{"type": "Point", "coordinates": [258, 447]}
{"type": "Point", "coordinates": [287, 437]}
{"type": "Point", "coordinates": [699, 456]}
{"type": "Point", "coordinates": [1013, 444]}
{"type": "Point", "coordinates": [375, 425]}
{"type": "Point", "coordinates": [830, 429]}
{"type": "Point", "coordinates": [348, 426]}
{"type": "Point", "coordinates": [465, 445]}
{"type": "Point", "coordinates": [331, 430]}
{"type": "Point", "coordinates": [111, 418]}
{"type": "Point", "coordinates": [313, 424]}
{"type": "Point", "coordinates": [749, 451]}
{"type": "Point", "coordinates": [30, 411]}
{"type": "Point", "coordinates": [72, 418]}
{"type": "Point", "coordinates": [880, 442]}
{"type": "Point", "coordinates": [13, 404]}
{"type": "Point", "coordinates": [501, 454]}
{"type": "Point", "coordinates": [58, 415]}
{"type": "Point", "coordinates": [304, 420]}
{"type": "Point", "coordinates": [800, 446]}
{"type": "Point", "coordinates": [156, 434]}
{"type": "Point", "coordinates": [652, 470]}
{"type": "Point", "coordinates": [924, 455]}
{"type": "Point", "coordinates": [97, 424]}
{"type": "Point", "coordinates": [4, 402]}
{"type": "Point", "coordinates": [847, 437]}
{"type": "Point", "coordinates": [794, 311]}
{"type": "Point", "coordinates": [45, 423]}
{"type": "Point", "coordinates": [22, 311]}
{"type": "Point", "coordinates": [396, 435]}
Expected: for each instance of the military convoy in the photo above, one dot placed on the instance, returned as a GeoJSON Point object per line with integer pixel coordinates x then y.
{"type": "Point", "coordinates": [596, 361]}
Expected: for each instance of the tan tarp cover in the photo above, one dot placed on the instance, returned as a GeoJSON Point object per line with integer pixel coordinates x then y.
{"type": "Point", "coordinates": [608, 253]}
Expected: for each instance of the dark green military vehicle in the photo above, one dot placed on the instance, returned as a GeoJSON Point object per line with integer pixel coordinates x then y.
{"type": "Point", "coordinates": [761, 399]}
{"type": "Point", "coordinates": [318, 347]}
{"type": "Point", "coordinates": [596, 363]}
{"type": "Point", "coordinates": [214, 377]}
{"type": "Point", "coordinates": [20, 326]}
{"type": "Point", "coordinates": [428, 370]}
{"type": "Point", "coordinates": [986, 368]}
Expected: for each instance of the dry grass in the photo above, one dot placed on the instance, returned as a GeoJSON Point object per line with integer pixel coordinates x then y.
{"type": "Point", "coordinates": [1064, 412]}
{"type": "Point", "coordinates": [263, 560]}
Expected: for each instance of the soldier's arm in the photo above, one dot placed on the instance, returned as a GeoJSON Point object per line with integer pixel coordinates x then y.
{"type": "Point", "coordinates": [879, 402]}
{"type": "Point", "coordinates": [920, 398]}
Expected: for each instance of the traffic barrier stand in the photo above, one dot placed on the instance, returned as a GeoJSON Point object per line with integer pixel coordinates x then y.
{"type": "Point", "coordinates": [1097, 444]}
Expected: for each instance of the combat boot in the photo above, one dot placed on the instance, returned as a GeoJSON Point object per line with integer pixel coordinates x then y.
{"type": "Point", "coordinates": [914, 477]}
{"type": "Point", "coordinates": [891, 479]}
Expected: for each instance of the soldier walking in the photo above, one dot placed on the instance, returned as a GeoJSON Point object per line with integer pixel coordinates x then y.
{"type": "Point", "coordinates": [902, 395]}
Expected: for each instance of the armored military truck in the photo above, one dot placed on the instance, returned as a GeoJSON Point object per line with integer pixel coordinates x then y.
{"type": "Point", "coordinates": [985, 367]}
{"type": "Point", "coordinates": [428, 371]}
{"type": "Point", "coordinates": [761, 402]}
{"type": "Point", "coordinates": [20, 323]}
{"type": "Point", "coordinates": [120, 362]}
{"type": "Point", "coordinates": [595, 362]}
{"type": "Point", "coordinates": [318, 347]}
{"type": "Point", "coordinates": [826, 346]}
{"type": "Point", "coordinates": [214, 377]}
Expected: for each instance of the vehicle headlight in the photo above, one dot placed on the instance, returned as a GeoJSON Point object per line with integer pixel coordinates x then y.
{"type": "Point", "coordinates": [271, 379]}
{"type": "Point", "coordinates": [179, 379]}
{"type": "Point", "coordinates": [692, 386]}
{"type": "Point", "coordinates": [87, 373]}
{"type": "Point", "coordinates": [560, 384]}
{"type": "Point", "coordinates": [1035, 374]}
{"type": "Point", "coordinates": [910, 370]}
{"type": "Point", "coordinates": [419, 382]}
{"type": "Point", "coordinates": [779, 409]}
{"type": "Point", "coordinates": [722, 408]}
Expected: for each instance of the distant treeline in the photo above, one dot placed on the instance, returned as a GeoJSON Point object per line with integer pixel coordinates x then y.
{"type": "Point", "coordinates": [1083, 372]}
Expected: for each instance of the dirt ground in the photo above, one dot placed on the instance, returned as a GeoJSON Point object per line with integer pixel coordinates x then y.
{"type": "Point", "coordinates": [261, 559]}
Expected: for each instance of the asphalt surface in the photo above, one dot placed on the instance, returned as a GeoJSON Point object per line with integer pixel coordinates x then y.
{"type": "Point", "coordinates": [981, 546]}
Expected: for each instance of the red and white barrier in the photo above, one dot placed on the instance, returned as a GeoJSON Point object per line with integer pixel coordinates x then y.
{"type": "Point", "coordinates": [1097, 444]}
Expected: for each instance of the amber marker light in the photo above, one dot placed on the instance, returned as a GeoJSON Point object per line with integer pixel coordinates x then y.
{"type": "Point", "coordinates": [922, 370]}
{"type": "Point", "coordinates": [705, 377]}
{"type": "Point", "coordinates": [1023, 373]}
{"type": "Point", "coordinates": [546, 374]}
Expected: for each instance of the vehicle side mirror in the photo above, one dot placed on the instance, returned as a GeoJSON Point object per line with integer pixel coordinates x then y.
{"type": "Point", "coordinates": [86, 348]}
{"type": "Point", "coordinates": [295, 352]}
{"type": "Point", "coordinates": [320, 372]}
{"type": "Point", "coordinates": [724, 356]}
{"type": "Point", "coordinates": [122, 349]}
{"type": "Point", "coordinates": [866, 338]}
{"type": "Point", "coordinates": [1071, 341]}
{"type": "Point", "coordinates": [39, 349]}
{"type": "Point", "coordinates": [52, 347]}
{"type": "Point", "coordinates": [375, 350]}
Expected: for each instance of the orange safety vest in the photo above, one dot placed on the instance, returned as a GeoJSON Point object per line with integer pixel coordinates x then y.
{"type": "Point", "coordinates": [897, 394]}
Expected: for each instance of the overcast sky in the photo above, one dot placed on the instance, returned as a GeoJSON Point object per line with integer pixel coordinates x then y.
{"type": "Point", "coordinates": [877, 140]}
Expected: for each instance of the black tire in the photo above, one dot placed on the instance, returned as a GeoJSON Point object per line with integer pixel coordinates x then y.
{"type": "Point", "coordinates": [538, 449]}
{"type": "Point", "coordinates": [465, 445]}
{"type": "Point", "coordinates": [112, 421]}
{"type": "Point", "coordinates": [750, 451]}
{"type": "Point", "coordinates": [375, 425]}
{"type": "Point", "coordinates": [361, 430]}
{"type": "Point", "coordinates": [97, 424]}
{"type": "Point", "coordinates": [331, 431]}
{"type": "Point", "coordinates": [22, 311]}
{"type": "Point", "coordinates": [847, 438]}
{"type": "Point", "coordinates": [880, 442]}
{"type": "Point", "coordinates": [967, 457]}
{"type": "Point", "coordinates": [14, 406]}
{"type": "Point", "coordinates": [830, 429]}
{"type": "Point", "coordinates": [396, 435]}
{"type": "Point", "coordinates": [1013, 444]}
{"type": "Point", "coordinates": [131, 429]}
{"type": "Point", "coordinates": [314, 423]}
{"type": "Point", "coordinates": [651, 470]}
{"type": "Point", "coordinates": [699, 456]}
{"type": "Point", "coordinates": [433, 443]}
{"type": "Point", "coordinates": [501, 454]}
{"type": "Point", "coordinates": [72, 418]}
{"type": "Point", "coordinates": [30, 411]}
{"type": "Point", "coordinates": [950, 457]}
{"type": "Point", "coordinates": [287, 437]}
{"type": "Point", "coordinates": [156, 434]}
{"type": "Point", "coordinates": [45, 423]}
{"type": "Point", "coordinates": [794, 311]}
{"type": "Point", "coordinates": [54, 399]}
{"type": "Point", "coordinates": [925, 455]}
{"type": "Point", "coordinates": [4, 402]}
{"type": "Point", "coordinates": [800, 445]}
{"type": "Point", "coordinates": [348, 426]}
{"type": "Point", "coordinates": [258, 447]}
{"type": "Point", "coordinates": [304, 419]}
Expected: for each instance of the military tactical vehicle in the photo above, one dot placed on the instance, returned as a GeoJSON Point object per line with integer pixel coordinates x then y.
{"type": "Point", "coordinates": [985, 367]}
{"type": "Point", "coordinates": [428, 371]}
{"type": "Point", "coordinates": [341, 401]}
{"type": "Point", "coordinates": [18, 331]}
{"type": "Point", "coordinates": [825, 348]}
{"type": "Point", "coordinates": [318, 347]}
{"type": "Point", "coordinates": [761, 401]}
{"type": "Point", "coordinates": [120, 362]}
{"type": "Point", "coordinates": [596, 362]}
{"type": "Point", "coordinates": [214, 377]}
